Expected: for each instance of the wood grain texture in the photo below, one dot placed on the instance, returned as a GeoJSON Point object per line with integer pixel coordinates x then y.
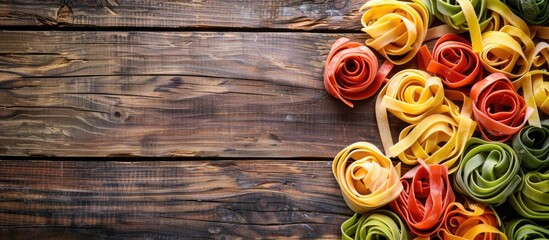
{"type": "Point", "coordinates": [173, 94]}
{"type": "Point", "coordinates": [169, 200]}
{"type": "Point", "coordinates": [265, 14]}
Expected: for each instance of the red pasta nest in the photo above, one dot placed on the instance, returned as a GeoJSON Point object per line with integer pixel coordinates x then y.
{"type": "Point", "coordinates": [499, 110]}
{"type": "Point", "coordinates": [351, 71]}
{"type": "Point", "coordinates": [426, 195]}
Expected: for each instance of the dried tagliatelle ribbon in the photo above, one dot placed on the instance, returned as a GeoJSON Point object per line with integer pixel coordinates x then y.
{"type": "Point", "coordinates": [488, 171]}
{"type": "Point", "coordinates": [536, 93]}
{"type": "Point", "coordinates": [397, 29]}
{"type": "Point", "coordinates": [524, 229]}
{"type": "Point", "coordinates": [379, 224]}
{"type": "Point", "coordinates": [438, 138]}
{"type": "Point", "coordinates": [501, 16]}
{"type": "Point", "coordinates": [539, 31]}
{"type": "Point", "coordinates": [426, 195]}
{"type": "Point", "coordinates": [453, 60]}
{"type": "Point", "coordinates": [351, 71]}
{"type": "Point", "coordinates": [531, 201]}
{"type": "Point", "coordinates": [463, 15]}
{"type": "Point", "coordinates": [475, 16]}
{"type": "Point", "coordinates": [508, 51]}
{"type": "Point", "coordinates": [439, 129]}
{"type": "Point", "coordinates": [534, 12]}
{"type": "Point", "coordinates": [499, 110]}
{"type": "Point", "coordinates": [532, 146]}
{"type": "Point", "coordinates": [541, 55]}
{"type": "Point", "coordinates": [366, 177]}
{"type": "Point", "coordinates": [412, 95]}
{"type": "Point", "coordinates": [470, 221]}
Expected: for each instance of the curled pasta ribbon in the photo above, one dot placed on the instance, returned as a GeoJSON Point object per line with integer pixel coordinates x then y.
{"type": "Point", "coordinates": [439, 129]}
{"type": "Point", "coordinates": [366, 177]}
{"type": "Point", "coordinates": [534, 89]}
{"type": "Point", "coordinates": [426, 195]}
{"type": "Point", "coordinates": [539, 31]}
{"type": "Point", "coordinates": [535, 92]}
{"type": "Point", "coordinates": [379, 224]}
{"type": "Point", "coordinates": [464, 15]}
{"type": "Point", "coordinates": [501, 16]}
{"type": "Point", "coordinates": [488, 171]}
{"type": "Point", "coordinates": [472, 221]}
{"type": "Point", "coordinates": [412, 95]}
{"type": "Point", "coordinates": [524, 229]}
{"type": "Point", "coordinates": [531, 201]}
{"type": "Point", "coordinates": [453, 60]}
{"type": "Point", "coordinates": [531, 11]}
{"type": "Point", "coordinates": [438, 138]}
{"type": "Point", "coordinates": [497, 107]}
{"type": "Point", "coordinates": [397, 29]}
{"type": "Point", "coordinates": [532, 146]}
{"type": "Point", "coordinates": [399, 97]}
{"type": "Point", "coordinates": [540, 55]}
{"type": "Point", "coordinates": [508, 51]}
{"type": "Point", "coordinates": [351, 71]}
{"type": "Point", "coordinates": [475, 16]}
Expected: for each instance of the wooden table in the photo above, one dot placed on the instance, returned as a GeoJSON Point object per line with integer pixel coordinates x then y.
{"type": "Point", "coordinates": [155, 119]}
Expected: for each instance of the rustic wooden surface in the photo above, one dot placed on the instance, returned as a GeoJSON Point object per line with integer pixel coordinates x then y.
{"type": "Point", "coordinates": [232, 89]}
{"type": "Point", "coordinates": [226, 94]}
{"type": "Point", "coordinates": [267, 14]}
{"type": "Point", "coordinates": [169, 200]}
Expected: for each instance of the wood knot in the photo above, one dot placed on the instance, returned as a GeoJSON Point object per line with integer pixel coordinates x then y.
{"type": "Point", "coordinates": [118, 115]}
{"type": "Point", "coordinates": [65, 15]}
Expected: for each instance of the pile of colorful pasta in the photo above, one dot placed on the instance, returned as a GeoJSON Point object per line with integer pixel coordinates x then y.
{"type": "Point", "coordinates": [476, 140]}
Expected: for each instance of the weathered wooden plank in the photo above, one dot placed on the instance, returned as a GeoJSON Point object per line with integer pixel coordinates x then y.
{"type": "Point", "coordinates": [288, 14]}
{"type": "Point", "coordinates": [169, 200]}
{"type": "Point", "coordinates": [284, 58]}
{"type": "Point", "coordinates": [173, 94]}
